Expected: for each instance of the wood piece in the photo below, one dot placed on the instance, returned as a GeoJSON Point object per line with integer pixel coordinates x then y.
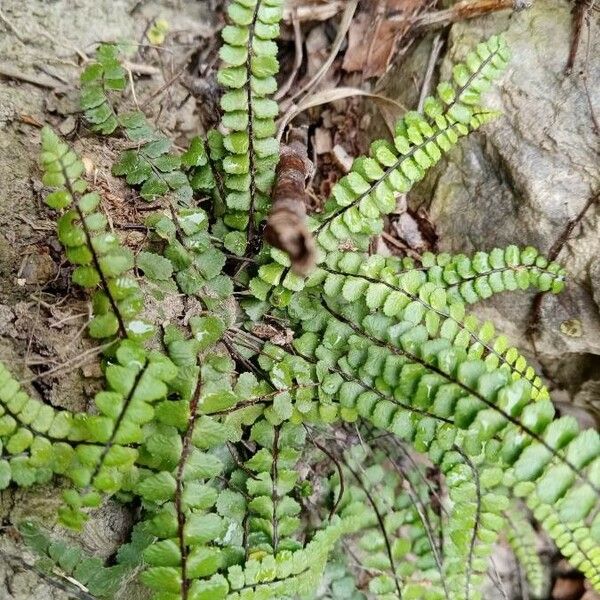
{"type": "Point", "coordinates": [286, 227]}
{"type": "Point", "coordinates": [323, 142]}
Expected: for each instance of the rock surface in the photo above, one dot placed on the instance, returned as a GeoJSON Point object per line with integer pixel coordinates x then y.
{"type": "Point", "coordinates": [523, 178]}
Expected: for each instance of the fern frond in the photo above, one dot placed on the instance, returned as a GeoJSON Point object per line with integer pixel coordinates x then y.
{"type": "Point", "coordinates": [190, 256]}
{"type": "Point", "coordinates": [575, 541]}
{"type": "Point", "coordinates": [522, 539]}
{"type": "Point", "coordinates": [151, 165]}
{"type": "Point", "coordinates": [358, 201]}
{"type": "Point", "coordinates": [249, 66]}
{"type": "Point", "coordinates": [101, 261]}
{"type": "Point", "coordinates": [486, 273]}
{"type": "Point", "coordinates": [101, 77]}
{"type": "Point", "coordinates": [369, 280]}
{"type": "Point", "coordinates": [60, 558]}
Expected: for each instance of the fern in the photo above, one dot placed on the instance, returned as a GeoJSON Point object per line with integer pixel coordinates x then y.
{"type": "Point", "coordinates": [102, 77]}
{"type": "Point", "coordinates": [100, 259]}
{"type": "Point", "coordinates": [251, 152]}
{"type": "Point", "coordinates": [99, 580]}
{"type": "Point", "coordinates": [354, 433]}
{"type": "Point", "coordinates": [523, 540]}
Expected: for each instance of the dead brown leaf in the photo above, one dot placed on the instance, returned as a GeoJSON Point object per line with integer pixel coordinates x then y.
{"type": "Point", "coordinates": [312, 10]}
{"type": "Point", "coordinates": [374, 35]}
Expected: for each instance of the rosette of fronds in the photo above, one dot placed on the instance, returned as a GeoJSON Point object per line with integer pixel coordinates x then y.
{"type": "Point", "coordinates": [352, 433]}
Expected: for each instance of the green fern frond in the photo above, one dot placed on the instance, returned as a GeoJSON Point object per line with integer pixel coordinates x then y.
{"type": "Point", "coordinates": [151, 164]}
{"type": "Point", "coordinates": [486, 273]}
{"type": "Point", "coordinates": [60, 558]}
{"type": "Point", "coordinates": [101, 261]}
{"type": "Point", "coordinates": [100, 78]}
{"type": "Point", "coordinates": [360, 198]}
{"type": "Point", "coordinates": [249, 66]}
{"type": "Point", "coordinates": [522, 539]}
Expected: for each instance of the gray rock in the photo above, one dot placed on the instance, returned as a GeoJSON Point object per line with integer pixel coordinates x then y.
{"type": "Point", "coordinates": [527, 175]}
{"type": "Point", "coordinates": [522, 178]}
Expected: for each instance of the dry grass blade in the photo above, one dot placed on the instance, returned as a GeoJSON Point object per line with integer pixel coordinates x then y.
{"type": "Point", "coordinates": [326, 96]}
{"type": "Point", "coordinates": [337, 44]}
{"type": "Point", "coordinates": [312, 12]}
{"type": "Point", "coordinates": [299, 55]}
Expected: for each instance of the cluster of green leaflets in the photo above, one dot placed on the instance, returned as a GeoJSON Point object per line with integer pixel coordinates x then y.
{"type": "Point", "coordinates": [211, 425]}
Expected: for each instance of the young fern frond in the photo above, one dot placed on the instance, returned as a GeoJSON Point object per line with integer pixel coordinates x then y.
{"type": "Point", "coordinates": [576, 540]}
{"type": "Point", "coordinates": [100, 78]}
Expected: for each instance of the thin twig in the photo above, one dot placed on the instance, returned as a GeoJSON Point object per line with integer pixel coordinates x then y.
{"type": "Point", "coordinates": [436, 48]}
{"type": "Point", "coordinates": [75, 363]}
{"type": "Point", "coordinates": [499, 585]}
{"type": "Point", "coordinates": [299, 55]}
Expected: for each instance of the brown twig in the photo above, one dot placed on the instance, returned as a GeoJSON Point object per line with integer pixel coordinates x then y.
{"type": "Point", "coordinates": [168, 83]}
{"type": "Point", "coordinates": [579, 13]}
{"type": "Point", "coordinates": [286, 227]}
{"type": "Point", "coordinates": [461, 11]}
{"type": "Point", "coordinates": [299, 55]}
{"type": "Point", "coordinates": [344, 26]}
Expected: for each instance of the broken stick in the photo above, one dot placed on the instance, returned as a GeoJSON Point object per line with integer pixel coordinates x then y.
{"type": "Point", "coordinates": [286, 227]}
